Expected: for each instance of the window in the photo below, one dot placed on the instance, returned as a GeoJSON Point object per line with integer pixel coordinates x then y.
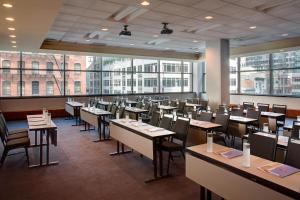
{"type": "Point", "coordinates": [6, 88]}
{"type": "Point", "coordinates": [49, 88]}
{"type": "Point", "coordinates": [23, 88]}
{"type": "Point", "coordinates": [35, 88]}
{"type": "Point", "coordinates": [77, 87]}
{"type": "Point", "coordinates": [49, 67]}
{"type": "Point", "coordinates": [6, 66]}
{"type": "Point", "coordinates": [35, 67]}
{"type": "Point", "coordinates": [77, 67]}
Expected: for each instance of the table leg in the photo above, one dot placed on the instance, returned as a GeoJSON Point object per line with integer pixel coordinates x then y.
{"type": "Point", "coordinates": [208, 194]}
{"type": "Point", "coordinates": [41, 148]}
{"type": "Point", "coordinates": [47, 152]}
{"type": "Point", "coordinates": [160, 158]}
{"type": "Point", "coordinates": [202, 193]}
{"type": "Point", "coordinates": [123, 151]}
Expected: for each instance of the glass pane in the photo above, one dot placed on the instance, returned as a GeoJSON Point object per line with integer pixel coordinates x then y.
{"type": "Point", "coordinates": [82, 62]}
{"type": "Point", "coordinates": [170, 82]}
{"type": "Point", "coordinates": [116, 83]}
{"type": "Point", "coordinates": [145, 65]}
{"type": "Point", "coordinates": [41, 61]}
{"type": "Point", "coordinates": [187, 67]}
{"type": "Point", "coordinates": [9, 84]}
{"type": "Point", "coordinates": [233, 82]}
{"type": "Point", "coordinates": [289, 59]}
{"type": "Point", "coordinates": [9, 60]}
{"type": "Point", "coordinates": [145, 83]}
{"type": "Point", "coordinates": [116, 64]}
{"type": "Point", "coordinates": [43, 83]}
{"type": "Point", "coordinates": [187, 82]}
{"type": "Point", "coordinates": [257, 62]}
{"type": "Point", "coordinates": [286, 82]}
{"type": "Point", "coordinates": [168, 66]}
{"type": "Point", "coordinates": [255, 82]}
{"type": "Point", "coordinates": [233, 64]}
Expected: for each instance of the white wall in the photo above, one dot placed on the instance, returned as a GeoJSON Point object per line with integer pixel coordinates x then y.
{"type": "Point", "coordinates": [292, 103]}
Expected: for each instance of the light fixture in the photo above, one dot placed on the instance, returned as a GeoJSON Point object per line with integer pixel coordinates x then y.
{"type": "Point", "coordinates": [10, 19]}
{"type": "Point", "coordinates": [125, 32]}
{"type": "Point", "coordinates": [12, 36]}
{"type": "Point", "coordinates": [131, 44]}
{"type": "Point", "coordinates": [252, 27]}
{"type": "Point", "coordinates": [145, 3]}
{"type": "Point", "coordinates": [195, 41]}
{"type": "Point", "coordinates": [209, 17]}
{"type": "Point", "coordinates": [166, 30]}
{"type": "Point", "coordinates": [14, 46]}
{"type": "Point", "coordinates": [11, 29]}
{"type": "Point", "coordinates": [104, 29]}
{"type": "Point", "coordinates": [167, 48]}
{"type": "Point", "coordinates": [284, 34]}
{"type": "Point", "coordinates": [7, 5]}
{"type": "Point", "coordinates": [14, 42]}
{"type": "Point", "coordinates": [281, 50]}
{"type": "Point", "coordinates": [155, 35]}
{"type": "Point", "coordinates": [87, 40]}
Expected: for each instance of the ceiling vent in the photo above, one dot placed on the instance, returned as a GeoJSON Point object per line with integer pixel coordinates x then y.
{"type": "Point", "coordinates": [246, 38]}
{"type": "Point", "coordinates": [270, 5]}
{"type": "Point", "coordinates": [198, 29]}
{"type": "Point", "coordinates": [158, 41]}
{"type": "Point", "coordinates": [96, 35]}
{"type": "Point", "coordinates": [127, 14]}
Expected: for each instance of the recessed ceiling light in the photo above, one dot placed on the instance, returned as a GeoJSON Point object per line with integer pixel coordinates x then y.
{"type": "Point", "coordinates": [14, 42]}
{"type": "Point", "coordinates": [10, 19]}
{"type": "Point", "coordinates": [131, 44]}
{"type": "Point", "coordinates": [281, 49]}
{"type": "Point", "coordinates": [104, 29]}
{"type": "Point", "coordinates": [145, 3]}
{"type": "Point", "coordinates": [195, 41]}
{"type": "Point", "coordinates": [209, 17]}
{"type": "Point", "coordinates": [12, 36]}
{"type": "Point", "coordinates": [167, 48]}
{"type": "Point", "coordinates": [284, 35]}
{"type": "Point", "coordinates": [155, 35]}
{"type": "Point", "coordinates": [7, 5]}
{"type": "Point", "coordinates": [87, 40]}
{"type": "Point", "coordinates": [11, 29]}
{"type": "Point", "coordinates": [252, 27]}
{"type": "Point", "coordinates": [14, 46]}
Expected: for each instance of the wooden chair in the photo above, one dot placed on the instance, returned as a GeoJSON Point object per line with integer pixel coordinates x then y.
{"type": "Point", "coordinates": [181, 109]}
{"type": "Point", "coordinates": [263, 146]}
{"type": "Point", "coordinates": [295, 130]}
{"type": "Point", "coordinates": [166, 123]}
{"type": "Point", "coordinates": [139, 104]}
{"type": "Point", "coordinates": [178, 141]}
{"type": "Point", "coordinates": [221, 132]}
{"type": "Point", "coordinates": [280, 109]}
{"type": "Point", "coordinates": [205, 116]}
{"type": "Point", "coordinates": [247, 105]}
{"type": "Point", "coordinates": [292, 154]}
{"type": "Point", "coordinates": [173, 103]}
{"type": "Point", "coordinates": [253, 114]}
{"type": "Point", "coordinates": [154, 120]}
{"type": "Point", "coordinates": [263, 107]}
{"type": "Point", "coordinates": [237, 112]}
{"type": "Point", "coordinates": [15, 134]}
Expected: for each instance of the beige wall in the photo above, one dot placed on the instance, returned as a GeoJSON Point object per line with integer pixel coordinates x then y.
{"type": "Point", "coordinates": [292, 103]}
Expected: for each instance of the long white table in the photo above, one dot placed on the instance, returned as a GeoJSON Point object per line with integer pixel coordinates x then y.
{"type": "Point", "coordinates": [94, 117]}
{"type": "Point", "coordinates": [141, 137]}
{"type": "Point", "coordinates": [228, 179]}
{"type": "Point", "coordinates": [73, 109]}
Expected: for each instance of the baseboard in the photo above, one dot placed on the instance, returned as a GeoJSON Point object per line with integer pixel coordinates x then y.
{"type": "Point", "coordinates": [21, 115]}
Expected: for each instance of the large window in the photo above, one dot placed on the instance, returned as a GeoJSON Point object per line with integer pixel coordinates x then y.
{"type": "Point", "coordinates": [267, 74]}
{"type": "Point", "coordinates": [46, 74]}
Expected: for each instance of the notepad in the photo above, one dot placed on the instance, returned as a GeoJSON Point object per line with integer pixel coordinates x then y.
{"type": "Point", "coordinates": [155, 129]}
{"type": "Point", "coordinates": [280, 170]}
{"type": "Point", "coordinates": [232, 153]}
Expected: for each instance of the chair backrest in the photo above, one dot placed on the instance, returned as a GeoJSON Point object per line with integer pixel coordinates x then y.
{"type": "Point", "coordinates": [292, 154]}
{"type": "Point", "coordinates": [3, 131]}
{"type": "Point", "coordinates": [139, 104]}
{"type": "Point", "coordinates": [174, 103]}
{"type": "Point", "coordinates": [181, 106]}
{"type": "Point", "coordinates": [203, 104]}
{"type": "Point", "coordinates": [181, 128]}
{"type": "Point", "coordinates": [221, 112]}
{"type": "Point", "coordinates": [154, 108]}
{"type": "Point", "coordinates": [122, 112]}
{"type": "Point", "coordinates": [114, 109]}
{"type": "Point", "coordinates": [263, 107]}
{"type": "Point", "coordinates": [166, 123]}
{"type": "Point", "coordinates": [247, 105]}
{"type": "Point", "coordinates": [295, 130]}
{"type": "Point", "coordinates": [165, 102]}
{"type": "Point", "coordinates": [222, 108]}
{"type": "Point", "coordinates": [195, 114]}
{"type": "Point", "coordinates": [3, 121]}
{"type": "Point", "coordinates": [195, 101]}
{"type": "Point", "coordinates": [237, 112]}
{"type": "Point", "coordinates": [263, 146]}
{"type": "Point", "coordinates": [189, 100]}
{"type": "Point", "coordinates": [154, 120]}
{"type": "Point", "coordinates": [147, 106]}
{"type": "Point", "coordinates": [253, 114]}
{"type": "Point", "coordinates": [222, 120]}
{"type": "Point", "coordinates": [109, 107]}
{"type": "Point", "coordinates": [205, 116]}
{"type": "Point", "coordinates": [98, 105]}
{"type": "Point", "coordinates": [279, 108]}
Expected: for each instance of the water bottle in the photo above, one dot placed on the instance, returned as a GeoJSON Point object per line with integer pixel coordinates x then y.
{"type": "Point", "coordinates": [246, 155]}
{"type": "Point", "coordinates": [209, 145]}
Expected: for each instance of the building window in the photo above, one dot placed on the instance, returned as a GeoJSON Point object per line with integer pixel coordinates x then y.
{"type": "Point", "coordinates": [49, 67]}
{"type": "Point", "coordinates": [49, 88]}
{"type": "Point", "coordinates": [35, 88]}
{"type": "Point", "coordinates": [23, 88]}
{"type": "Point", "coordinates": [77, 87]}
{"type": "Point", "coordinates": [35, 67]}
{"type": "Point", "coordinates": [77, 67]}
{"type": "Point", "coordinates": [6, 66]}
{"type": "Point", "coordinates": [6, 88]}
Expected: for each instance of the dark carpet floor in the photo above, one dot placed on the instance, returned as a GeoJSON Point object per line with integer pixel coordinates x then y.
{"type": "Point", "coordinates": [87, 171]}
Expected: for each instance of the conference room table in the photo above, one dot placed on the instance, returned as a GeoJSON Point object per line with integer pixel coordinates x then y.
{"type": "Point", "coordinates": [157, 100]}
{"type": "Point", "coordinates": [104, 104]}
{"type": "Point", "coordinates": [73, 109]}
{"type": "Point", "coordinates": [141, 137]}
{"type": "Point", "coordinates": [193, 105]}
{"type": "Point", "coordinates": [94, 116]}
{"type": "Point", "coordinates": [39, 124]}
{"type": "Point", "coordinates": [136, 111]}
{"type": "Point", "coordinates": [131, 103]}
{"type": "Point", "coordinates": [230, 180]}
{"type": "Point", "coordinates": [167, 108]}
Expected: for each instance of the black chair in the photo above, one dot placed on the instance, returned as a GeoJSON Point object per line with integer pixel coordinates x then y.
{"type": "Point", "coordinates": [263, 146]}
{"type": "Point", "coordinates": [195, 101]}
{"type": "Point", "coordinates": [178, 141]}
{"type": "Point", "coordinates": [147, 106]}
{"type": "Point", "coordinates": [154, 120]}
{"type": "Point", "coordinates": [237, 112]}
{"type": "Point", "coordinates": [292, 154]}
{"type": "Point", "coordinates": [295, 130]}
{"type": "Point", "coordinates": [166, 123]}
{"type": "Point", "coordinates": [280, 109]}
{"type": "Point", "coordinates": [122, 112]}
{"type": "Point", "coordinates": [248, 105]}
{"type": "Point", "coordinates": [221, 132]}
{"type": "Point", "coordinates": [263, 107]}
{"type": "Point", "coordinates": [203, 105]}
{"type": "Point", "coordinates": [12, 144]}
{"type": "Point", "coordinates": [109, 107]}
{"type": "Point", "coordinates": [15, 134]}
{"type": "Point", "coordinates": [107, 119]}
{"type": "Point", "coordinates": [139, 105]}
{"type": "Point", "coordinates": [205, 116]}
{"type": "Point", "coordinates": [181, 109]}
{"type": "Point", "coordinates": [165, 102]}
{"type": "Point", "coordinates": [253, 114]}
{"type": "Point", "coordinates": [189, 100]}
{"type": "Point", "coordinates": [173, 103]}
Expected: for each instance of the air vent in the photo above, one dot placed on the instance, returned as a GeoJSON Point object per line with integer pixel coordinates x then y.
{"type": "Point", "coordinates": [241, 39]}
{"type": "Point", "coordinates": [127, 14]}
{"type": "Point", "coordinates": [96, 35]}
{"type": "Point", "coordinates": [157, 41]}
{"type": "Point", "coordinates": [194, 30]}
{"type": "Point", "coordinates": [266, 7]}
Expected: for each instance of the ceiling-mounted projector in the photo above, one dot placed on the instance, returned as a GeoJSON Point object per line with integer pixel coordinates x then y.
{"type": "Point", "coordinates": [166, 30]}
{"type": "Point", "coordinates": [125, 32]}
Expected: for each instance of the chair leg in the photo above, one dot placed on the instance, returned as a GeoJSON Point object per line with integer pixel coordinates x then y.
{"type": "Point", "coordinates": [168, 166]}
{"type": "Point", "coordinates": [182, 152]}
{"type": "Point", "coordinates": [4, 154]}
{"type": "Point", "coordinates": [27, 156]}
